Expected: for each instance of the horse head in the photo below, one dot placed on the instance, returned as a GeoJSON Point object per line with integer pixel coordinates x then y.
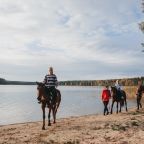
{"type": "Point", "coordinates": [114, 92]}
{"type": "Point", "coordinates": [40, 88]}
{"type": "Point", "coordinates": [39, 85]}
{"type": "Point", "coordinates": [113, 89]}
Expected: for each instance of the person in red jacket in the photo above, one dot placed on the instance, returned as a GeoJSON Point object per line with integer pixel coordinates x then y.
{"type": "Point", "coordinates": [106, 95]}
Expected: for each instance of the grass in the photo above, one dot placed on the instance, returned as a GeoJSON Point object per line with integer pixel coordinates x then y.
{"type": "Point", "coordinates": [118, 127]}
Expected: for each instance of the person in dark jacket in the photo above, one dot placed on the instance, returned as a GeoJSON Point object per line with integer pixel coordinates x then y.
{"type": "Point", "coordinates": [139, 93]}
{"type": "Point", "coordinates": [106, 95]}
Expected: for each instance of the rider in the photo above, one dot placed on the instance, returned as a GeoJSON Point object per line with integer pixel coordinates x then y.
{"type": "Point", "coordinates": [117, 85]}
{"type": "Point", "coordinates": [50, 82]}
{"type": "Point", "coordinates": [119, 88]}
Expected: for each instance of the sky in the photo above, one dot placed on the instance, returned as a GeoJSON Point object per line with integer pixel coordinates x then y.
{"type": "Point", "coordinates": [80, 39]}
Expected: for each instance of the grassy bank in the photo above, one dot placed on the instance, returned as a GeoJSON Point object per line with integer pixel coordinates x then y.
{"type": "Point", "coordinates": [131, 91]}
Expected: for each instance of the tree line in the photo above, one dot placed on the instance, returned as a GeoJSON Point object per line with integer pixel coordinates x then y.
{"type": "Point", "coordinates": [6, 82]}
{"type": "Point", "coordinates": [110, 82]}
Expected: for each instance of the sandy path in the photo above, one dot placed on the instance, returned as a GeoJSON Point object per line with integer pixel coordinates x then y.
{"type": "Point", "coordinates": [124, 128]}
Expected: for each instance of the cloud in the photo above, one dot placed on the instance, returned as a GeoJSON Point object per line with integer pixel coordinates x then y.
{"type": "Point", "coordinates": [70, 36]}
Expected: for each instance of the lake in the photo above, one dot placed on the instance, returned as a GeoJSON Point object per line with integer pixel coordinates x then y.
{"type": "Point", "coordinates": [18, 103]}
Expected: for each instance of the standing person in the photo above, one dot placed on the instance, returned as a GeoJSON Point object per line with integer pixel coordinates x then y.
{"type": "Point", "coordinates": [50, 82]}
{"type": "Point", "coordinates": [139, 94]}
{"type": "Point", "coordinates": [106, 95]}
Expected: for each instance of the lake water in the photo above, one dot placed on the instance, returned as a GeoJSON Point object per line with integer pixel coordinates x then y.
{"type": "Point", "coordinates": [18, 103]}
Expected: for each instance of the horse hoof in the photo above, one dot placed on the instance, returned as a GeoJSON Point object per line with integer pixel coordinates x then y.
{"type": "Point", "coordinates": [49, 124]}
{"type": "Point", "coordinates": [43, 128]}
{"type": "Point", "coordinates": [54, 122]}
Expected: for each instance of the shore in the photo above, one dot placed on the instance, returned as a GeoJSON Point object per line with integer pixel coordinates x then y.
{"type": "Point", "coordinates": [122, 128]}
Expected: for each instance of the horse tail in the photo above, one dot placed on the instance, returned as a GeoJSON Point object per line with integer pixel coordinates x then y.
{"type": "Point", "coordinates": [143, 88]}
{"type": "Point", "coordinates": [58, 98]}
{"type": "Point", "coordinates": [123, 98]}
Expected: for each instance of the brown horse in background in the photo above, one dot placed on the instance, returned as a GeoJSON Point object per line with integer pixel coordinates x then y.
{"type": "Point", "coordinates": [46, 101]}
{"type": "Point", "coordinates": [119, 99]}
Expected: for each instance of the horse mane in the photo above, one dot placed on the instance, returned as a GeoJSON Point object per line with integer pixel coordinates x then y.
{"type": "Point", "coordinates": [113, 88]}
{"type": "Point", "coordinates": [40, 83]}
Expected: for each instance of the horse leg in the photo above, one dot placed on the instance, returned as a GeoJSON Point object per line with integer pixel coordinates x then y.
{"type": "Point", "coordinates": [117, 108]}
{"type": "Point", "coordinates": [56, 110]}
{"type": "Point", "coordinates": [120, 107]}
{"type": "Point", "coordinates": [125, 101]}
{"type": "Point", "coordinates": [43, 109]}
{"type": "Point", "coordinates": [57, 106]}
{"type": "Point", "coordinates": [112, 107]}
{"type": "Point", "coordinates": [54, 114]}
{"type": "Point", "coordinates": [49, 123]}
{"type": "Point", "coordinates": [138, 101]}
{"type": "Point", "coordinates": [126, 105]}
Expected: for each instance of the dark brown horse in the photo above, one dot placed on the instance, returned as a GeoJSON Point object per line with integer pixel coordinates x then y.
{"type": "Point", "coordinates": [46, 101]}
{"type": "Point", "coordinates": [119, 97]}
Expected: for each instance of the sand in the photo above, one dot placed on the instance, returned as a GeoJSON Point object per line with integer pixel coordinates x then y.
{"type": "Point", "coordinates": [122, 128]}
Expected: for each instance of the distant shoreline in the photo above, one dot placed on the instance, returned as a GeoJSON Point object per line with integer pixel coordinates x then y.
{"type": "Point", "coordinates": [110, 82]}
{"type": "Point", "coordinates": [130, 90]}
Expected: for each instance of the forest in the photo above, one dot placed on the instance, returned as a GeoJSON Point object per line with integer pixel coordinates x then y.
{"type": "Point", "coordinates": [110, 82]}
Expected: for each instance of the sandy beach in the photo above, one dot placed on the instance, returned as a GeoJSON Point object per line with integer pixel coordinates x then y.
{"type": "Point", "coordinates": [122, 128]}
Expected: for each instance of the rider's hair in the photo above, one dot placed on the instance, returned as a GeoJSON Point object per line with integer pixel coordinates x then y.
{"type": "Point", "coordinates": [50, 68]}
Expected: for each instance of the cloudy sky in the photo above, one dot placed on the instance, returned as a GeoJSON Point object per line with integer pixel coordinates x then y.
{"type": "Point", "coordinates": [81, 39]}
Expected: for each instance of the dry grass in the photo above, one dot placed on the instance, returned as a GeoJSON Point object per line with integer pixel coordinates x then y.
{"type": "Point", "coordinates": [131, 91]}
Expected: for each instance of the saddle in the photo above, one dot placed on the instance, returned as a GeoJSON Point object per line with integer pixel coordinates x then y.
{"type": "Point", "coordinates": [50, 94]}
